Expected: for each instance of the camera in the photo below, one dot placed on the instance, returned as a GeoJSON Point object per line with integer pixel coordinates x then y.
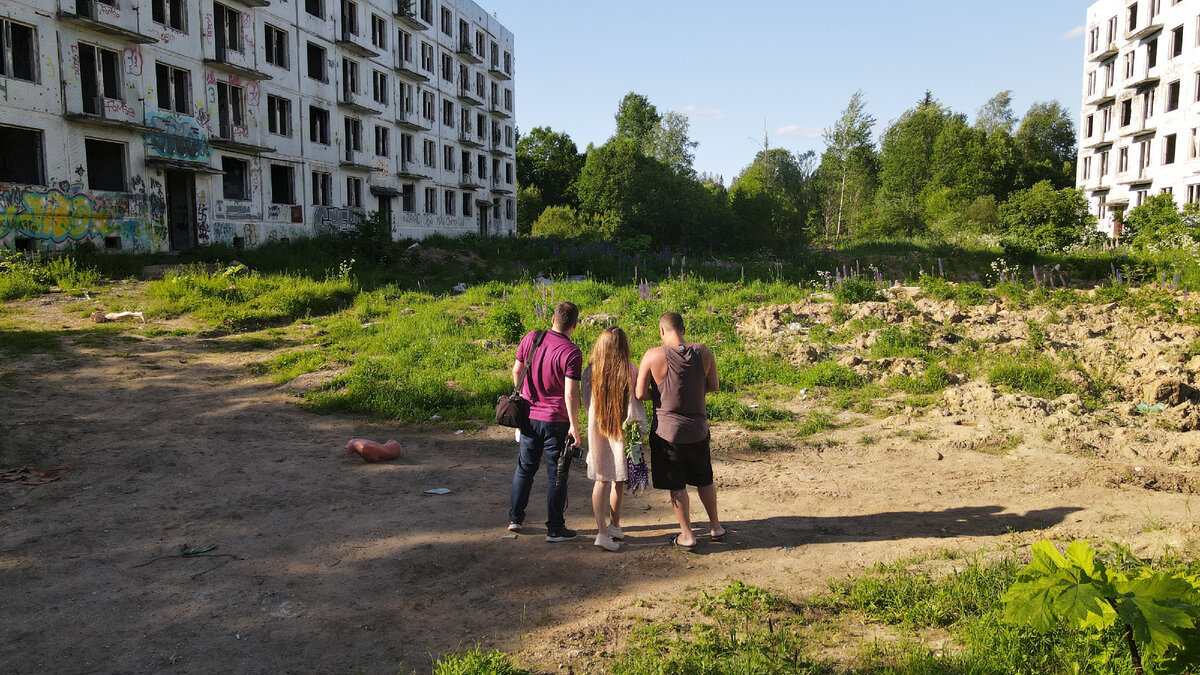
{"type": "Point", "coordinates": [575, 452]}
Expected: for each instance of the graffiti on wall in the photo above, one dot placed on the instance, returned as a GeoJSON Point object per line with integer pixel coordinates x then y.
{"type": "Point", "coordinates": [133, 60]}
{"type": "Point", "coordinates": [64, 213]}
{"type": "Point", "coordinates": [334, 217]}
{"type": "Point", "coordinates": [203, 235]}
{"type": "Point", "coordinates": [177, 137]}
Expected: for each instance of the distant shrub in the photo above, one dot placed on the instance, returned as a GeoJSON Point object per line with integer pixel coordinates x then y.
{"type": "Point", "coordinates": [856, 290]}
{"type": "Point", "coordinates": [1031, 373]}
{"type": "Point", "coordinates": [505, 324]}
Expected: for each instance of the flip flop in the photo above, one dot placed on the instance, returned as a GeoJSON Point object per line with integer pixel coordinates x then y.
{"type": "Point", "coordinates": [720, 537]}
{"type": "Point", "coordinates": [676, 544]}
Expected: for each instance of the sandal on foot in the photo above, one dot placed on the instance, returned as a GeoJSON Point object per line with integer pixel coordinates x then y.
{"type": "Point", "coordinates": [720, 537]}
{"type": "Point", "coordinates": [676, 544]}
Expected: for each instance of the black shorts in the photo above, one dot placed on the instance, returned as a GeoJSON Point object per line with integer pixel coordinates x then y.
{"type": "Point", "coordinates": [674, 466]}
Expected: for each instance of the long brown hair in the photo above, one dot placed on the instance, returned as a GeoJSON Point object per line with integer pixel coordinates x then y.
{"type": "Point", "coordinates": [610, 381]}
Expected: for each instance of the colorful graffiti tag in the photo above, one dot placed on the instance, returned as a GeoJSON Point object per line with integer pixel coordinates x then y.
{"type": "Point", "coordinates": [64, 214]}
{"type": "Point", "coordinates": [177, 137]}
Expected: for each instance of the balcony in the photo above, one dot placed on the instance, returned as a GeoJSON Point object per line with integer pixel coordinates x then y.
{"type": "Point", "coordinates": [1143, 32]}
{"type": "Point", "coordinates": [408, 16]}
{"type": "Point", "coordinates": [1106, 53]}
{"type": "Point", "coordinates": [501, 186]}
{"type": "Point", "coordinates": [355, 44]}
{"type": "Point", "coordinates": [1100, 141]}
{"type": "Point", "coordinates": [495, 71]}
{"type": "Point", "coordinates": [408, 69]}
{"type": "Point", "coordinates": [469, 181]}
{"type": "Point", "coordinates": [358, 103]}
{"type": "Point", "coordinates": [412, 169]}
{"type": "Point", "coordinates": [1145, 81]}
{"type": "Point", "coordinates": [469, 96]}
{"type": "Point", "coordinates": [408, 119]}
{"type": "Point", "coordinates": [496, 109]}
{"type": "Point", "coordinates": [1102, 97]}
{"type": "Point", "coordinates": [97, 17]}
{"type": "Point", "coordinates": [1143, 129]}
{"type": "Point", "coordinates": [467, 52]}
{"type": "Point", "coordinates": [254, 3]}
{"type": "Point", "coordinates": [106, 112]}
{"type": "Point", "coordinates": [465, 137]}
{"type": "Point", "coordinates": [355, 160]}
{"type": "Point", "coordinates": [236, 63]}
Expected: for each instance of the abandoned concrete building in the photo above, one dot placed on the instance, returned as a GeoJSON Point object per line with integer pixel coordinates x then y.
{"type": "Point", "coordinates": [162, 124]}
{"type": "Point", "coordinates": [1141, 106]}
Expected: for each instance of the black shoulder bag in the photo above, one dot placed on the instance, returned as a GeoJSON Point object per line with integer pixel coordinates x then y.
{"type": "Point", "coordinates": [512, 410]}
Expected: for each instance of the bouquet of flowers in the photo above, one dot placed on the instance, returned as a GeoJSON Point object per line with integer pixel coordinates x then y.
{"type": "Point", "coordinates": [637, 476]}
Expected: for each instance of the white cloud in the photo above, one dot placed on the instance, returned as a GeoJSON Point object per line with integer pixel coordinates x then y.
{"type": "Point", "coordinates": [698, 114]}
{"type": "Point", "coordinates": [1076, 32]}
{"type": "Point", "coordinates": [799, 131]}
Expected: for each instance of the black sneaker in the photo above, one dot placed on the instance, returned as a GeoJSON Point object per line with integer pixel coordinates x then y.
{"type": "Point", "coordinates": [559, 534]}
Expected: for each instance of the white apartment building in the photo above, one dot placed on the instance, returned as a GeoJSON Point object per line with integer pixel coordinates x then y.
{"type": "Point", "coordinates": [151, 125]}
{"type": "Point", "coordinates": [1141, 106]}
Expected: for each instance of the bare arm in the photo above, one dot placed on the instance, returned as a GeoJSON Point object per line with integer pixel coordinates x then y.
{"type": "Point", "coordinates": [642, 390]}
{"type": "Point", "coordinates": [518, 369]}
{"type": "Point", "coordinates": [711, 382]}
{"type": "Point", "coordinates": [572, 396]}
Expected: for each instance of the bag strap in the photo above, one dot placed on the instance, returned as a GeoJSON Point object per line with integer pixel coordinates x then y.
{"type": "Point", "coordinates": [537, 343]}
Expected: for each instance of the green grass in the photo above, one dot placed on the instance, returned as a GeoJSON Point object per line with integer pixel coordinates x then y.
{"type": "Point", "coordinates": [900, 342]}
{"type": "Point", "coordinates": [476, 662]}
{"type": "Point", "coordinates": [1029, 372]}
{"type": "Point", "coordinates": [815, 422]}
{"type": "Point", "coordinates": [15, 342]}
{"type": "Point", "coordinates": [932, 380]}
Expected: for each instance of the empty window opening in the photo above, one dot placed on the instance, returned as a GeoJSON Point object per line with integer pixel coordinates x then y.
{"type": "Point", "coordinates": [174, 88]}
{"type": "Point", "coordinates": [322, 188]}
{"type": "Point", "coordinates": [316, 63]}
{"type": "Point", "coordinates": [231, 109]}
{"type": "Point", "coordinates": [112, 243]}
{"type": "Point", "coordinates": [105, 165]}
{"type": "Point", "coordinates": [228, 25]}
{"type": "Point", "coordinates": [1169, 149]}
{"type": "Point", "coordinates": [235, 183]}
{"type": "Point", "coordinates": [283, 184]}
{"type": "Point", "coordinates": [170, 13]}
{"type": "Point", "coordinates": [1173, 95]}
{"type": "Point", "coordinates": [100, 74]}
{"type": "Point", "coordinates": [22, 159]}
{"type": "Point", "coordinates": [318, 125]}
{"type": "Point", "coordinates": [275, 40]}
{"type": "Point", "coordinates": [315, 8]}
{"type": "Point", "coordinates": [18, 51]}
{"type": "Point", "coordinates": [279, 115]}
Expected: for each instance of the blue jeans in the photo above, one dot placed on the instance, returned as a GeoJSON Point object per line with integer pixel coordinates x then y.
{"type": "Point", "coordinates": [540, 438]}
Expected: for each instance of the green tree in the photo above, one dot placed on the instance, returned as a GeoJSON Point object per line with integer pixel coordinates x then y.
{"type": "Point", "coordinates": [549, 160]}
{"type": "Point", "coordinates": [1046, 140]}
{"type": "Point", "coordinates": [849, 170]}
{"type": "Point", "coordinates": [772, 198]}
{"type": "Point", "coordinates": [636, 119]}
{"type": "Point", "coordinates": [1046, 220]}
{"type": "Point", "coordinates": [1158, 222]}
{"type": "Point", "coordinates": [565, 222]}
{"type": "Point", "coordinates": [671, 144]}
{"type": "Point", "coordinates": [529, 206]}
{"type": "Point", "coordinates": [997, 114]}
{"type": "Point", "coordinates": [906, 166]}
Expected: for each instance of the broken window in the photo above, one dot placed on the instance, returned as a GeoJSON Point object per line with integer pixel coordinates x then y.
{"type": "Point", "coordinates": [447, 22]}
{"type": "Point", "coordinates": [276, 42]}
{"type": "Point", "coordinates": [170, 13]}
{"type": "Point", "coordinates": [448, 157]}
{"type": "Point", "coordinates": [318, 125]}
{"type": "Point", "coordinates": [426, 57]}
{"type": "Point", "coordinates": [429, 153]}
{"type": "Point", "coordinates": [1131, 21]}
{"type": "Point", "coordinates": [235, 183]}
{"type": "Point", "coordinates": [1173, 96]}
{"type": "Point", "coordinates": [467, 203]}
{"type": "Point", "coordinates": [354, 192]}
{"type": "Point", "coordinates": [406, 147]}
{"type": "Point", "coordinates": [1177, 41]}
{"type": "Point", "coordinates": [1126, 112]}
{"type": "Point", "coordinates": [408, 199]}
{"type": "Point", "coordinates": [100, 72]}
{"type": "Point", "coordinates": [1152, 53]}
{"type": "Point", "coordinates": [315, 8]}
{"type": "Point", "coordinates": [379, 87]}
{"type": "Point", "coordinates": [1123, 160]}
{"type": "Point", "coordinates": [316, 63]}
{"type": "Point", "coordinates": [21, 161]}
{"type": "Point", "coordinates": [447, 67]}
{"type": "Point", "coordinates": [427, 11]}
{"type": "Point", "coordinates": [353, 137]}
{"type": "Point", "coordinates": [430, 200]}
{"type": "Point", "coordinates": [448, 112]}
{"type": "Point", "coordinates": [450, 197]}
{"type": "Point", "coordinates": [379, 31]}
{"type": "Point", "coordinates": [322, 188]}
{"type": "Point", "coordinates": [18, 55]}
{"type": "Point", "coordinates": [349, 19]}
{"type": "Point", "coordinates": [381, 141]}
{"type": "Point", "coordinates": [228, 24]}
{"type": "Point", "coordinates": [279, 115]}
{"type": "Point", "coordinates": [174, 88]}
{"type": "Point", "coordinates": [105, 165]}
{"type": "Point", "coordinates": [1169, 149]}
{"type": "Point", "coordinates": [350, 78]}
{"type": "Point", "coordinates": [283, 184]}
{"type": "Point", "coordinates": [427, 105]}
{"type": "Point", "coordinates": [231, 109]}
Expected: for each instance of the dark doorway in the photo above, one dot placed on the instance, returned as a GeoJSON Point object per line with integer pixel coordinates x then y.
{"type": "Point", "coordinates": [483, 221]}
{"type": "Point", "coordinates": [181, 209]}
{"type": "Point", "coordinates": [385, 209]}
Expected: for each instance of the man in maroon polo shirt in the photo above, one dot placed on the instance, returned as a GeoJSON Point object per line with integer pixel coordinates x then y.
{"type": "Point", "coordinates": [552, 389]}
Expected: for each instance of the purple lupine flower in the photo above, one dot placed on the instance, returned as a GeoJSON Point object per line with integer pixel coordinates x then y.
{"type": "Point", "coordinates": [1113, 266]}
{"type": "Point", "coordinates": [1036, 280]}
{"type": "Point", "coordinates": [1175, 281]}
{"type": "Point", "coordinates": [941, 270]}
{"type": "Point", "coordinates": [504, 295]}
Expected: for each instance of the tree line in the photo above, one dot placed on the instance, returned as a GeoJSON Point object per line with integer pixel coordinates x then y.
{"type": "Point", "coordinates": [932, 173]}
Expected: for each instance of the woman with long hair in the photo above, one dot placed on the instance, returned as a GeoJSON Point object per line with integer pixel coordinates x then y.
{"type": "Point", "coordinates": [610, 402]}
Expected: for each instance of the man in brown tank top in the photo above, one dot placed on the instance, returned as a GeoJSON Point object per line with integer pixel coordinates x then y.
{"type": "Point", "coordinates": [676, 376]}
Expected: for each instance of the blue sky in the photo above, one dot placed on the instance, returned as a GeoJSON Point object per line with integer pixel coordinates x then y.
{"type": "Point", "coordinates": [730, 66]}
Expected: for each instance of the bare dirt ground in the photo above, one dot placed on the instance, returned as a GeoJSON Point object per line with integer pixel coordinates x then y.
{"type": "Point", "coordinates": [326, 564]}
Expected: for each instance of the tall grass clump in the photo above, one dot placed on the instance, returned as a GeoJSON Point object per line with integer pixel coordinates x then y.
{"type": "Point", "coordinates": [477, 662]}
{"type": "Point", "coordinates": [1030, 372]}
{"type": "Point", "coordinates": [20, 279]}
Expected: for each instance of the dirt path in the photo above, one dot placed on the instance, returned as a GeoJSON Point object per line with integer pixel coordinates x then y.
{"type": "Point", "coordinates": [326, 564]}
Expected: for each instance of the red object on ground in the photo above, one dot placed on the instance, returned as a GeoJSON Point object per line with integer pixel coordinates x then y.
{"type": "Point", "coordinates": [371, 451]}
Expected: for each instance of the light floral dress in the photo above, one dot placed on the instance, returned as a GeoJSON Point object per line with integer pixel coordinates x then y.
{"type": "Point", "coordinates": [606, 456]}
